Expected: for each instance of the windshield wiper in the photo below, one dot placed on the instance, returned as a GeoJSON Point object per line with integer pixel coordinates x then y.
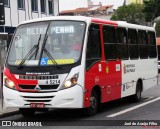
{"type": "Point", "coordinates": [48, 54]}
{"type": "Point", "coordinates": [30, 52]}
{"type": "Point", "coordinates": [37, 46]}
{"type": "Point", "coordinates": [52, 59]}
{"type": "Point", "coordinates": [45, 50]}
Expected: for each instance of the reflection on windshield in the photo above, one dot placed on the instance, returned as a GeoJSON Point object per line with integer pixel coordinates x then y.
{"type": "Point", "coordinates": [64, 43]}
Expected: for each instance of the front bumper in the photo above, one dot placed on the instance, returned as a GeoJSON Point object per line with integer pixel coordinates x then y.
{"type": "Point", "coordinates": [67, 98]}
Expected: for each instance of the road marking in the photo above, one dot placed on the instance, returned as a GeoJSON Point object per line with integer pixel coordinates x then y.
{"type": "Point", "coordinates": [132, 108]}
{"type": "Point", "coordinates": [149, 98]}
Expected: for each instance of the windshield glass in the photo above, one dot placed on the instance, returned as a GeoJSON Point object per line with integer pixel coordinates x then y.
{"type": "Point", "coordinates": [63, 41]}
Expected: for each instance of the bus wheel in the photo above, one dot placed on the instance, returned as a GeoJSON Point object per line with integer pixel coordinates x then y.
{"type": "Point", "coordinates": [137, 97]}
{"type": "Point", "coordinates": [27, 112]}
{"type": "Point", "coordinates": [92, 110]}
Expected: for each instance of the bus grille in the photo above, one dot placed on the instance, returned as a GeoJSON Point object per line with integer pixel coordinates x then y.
{"type": "Point", "coordinates": [42, 87]}
{"type": "Point", "coordinates": [37, 98]}
{"type": "Point", "coordinates": [31, 77]}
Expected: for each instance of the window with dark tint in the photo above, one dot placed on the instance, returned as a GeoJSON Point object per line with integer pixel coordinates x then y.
{"type": "Point", "coordinates": [34, 4]}
{"type": "Point", "coordinates": [142, 41]}
{"type": "Point", "coordinates": [158, 52]}
{"type": "Point", "coordinates": [43, 6]}
{"type": "Point", "coordinates": [50, 6]}
{"type": "Point", "coordinates": [94, 46]}
{"type": "Point", "coordinates": [110, 47]}
{"type": "Point", "coordinates": [7, 3]}
{"type": "Point", "coordinates": [122, 45]}
{"type": "Point", "coordinates": [133, 44]}
{"type": "Point", "coordinates": [152, 45]}
{"type": "Point", "coordinates": [21, 4]}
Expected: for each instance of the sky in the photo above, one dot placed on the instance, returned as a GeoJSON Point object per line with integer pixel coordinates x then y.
{"type": "Point", "coordinates": [73, 4]}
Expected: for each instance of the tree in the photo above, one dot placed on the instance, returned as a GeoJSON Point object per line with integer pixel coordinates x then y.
{"type": "Point", "coordinates": [131, 13]}
{"type": "Point", "coordinates": [151, 9]}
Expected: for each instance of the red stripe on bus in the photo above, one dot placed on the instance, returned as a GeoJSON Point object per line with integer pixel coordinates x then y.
{"type": "Point", "coordinates": [104, 22]}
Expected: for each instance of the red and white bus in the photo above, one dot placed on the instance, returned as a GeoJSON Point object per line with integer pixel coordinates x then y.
{"type": "Point", "coordinates": [47, 67]}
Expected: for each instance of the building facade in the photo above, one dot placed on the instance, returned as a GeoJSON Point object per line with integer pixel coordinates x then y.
{"type": "Point", "coordinates": [134, 1]}
{"type": "Point", "coordinates": [103, 12]}
{"type": "Point", "coordinates": [17, 11]}
{"type": "Point", "coordinates": [98, 11]}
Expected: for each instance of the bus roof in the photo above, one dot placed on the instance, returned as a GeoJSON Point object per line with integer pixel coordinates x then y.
{"type": "Point", "coordinates": [74, 18]}
{"type": "Point", "coordinates": [135, 26]}
{"type": "Point", "coordinates": [122, 24]}
{"type": "Point", "coordinates": [91, 19]}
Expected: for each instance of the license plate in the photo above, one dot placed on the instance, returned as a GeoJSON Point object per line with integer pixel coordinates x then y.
{"type": "Point", "coordinates": [37, 105]}
{"type": "Point", "coordinates": [53, 82]}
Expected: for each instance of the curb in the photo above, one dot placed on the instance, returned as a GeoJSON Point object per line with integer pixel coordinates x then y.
{"type": "Point", "coordinates": [7, 114]}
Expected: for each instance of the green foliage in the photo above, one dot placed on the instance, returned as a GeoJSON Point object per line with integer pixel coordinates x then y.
{"type": "Point", "coordinates": [139, 14]}
{"type": "Point", "coordinates": [158, 29]}
{"type": "Point", "coordinates": [151, 9]}
{"type": "Point", "coordinates": [131, 13]}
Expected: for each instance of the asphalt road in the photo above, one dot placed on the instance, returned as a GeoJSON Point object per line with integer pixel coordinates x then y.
{"type": "Point", "coordinates": [113, 113]}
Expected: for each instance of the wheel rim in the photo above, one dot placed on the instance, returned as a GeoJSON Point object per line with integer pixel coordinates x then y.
{"type": "Point", "coordinates": [93, 102]}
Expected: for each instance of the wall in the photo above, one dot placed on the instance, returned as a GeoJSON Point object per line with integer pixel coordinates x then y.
{"type": "Point", "coordinates": [135, 1]}
{"type": "Point", "coordinates": [14, 16]}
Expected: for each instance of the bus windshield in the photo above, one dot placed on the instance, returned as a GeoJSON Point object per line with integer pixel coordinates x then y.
{"type": "Point", "coordinates": [47, 43]}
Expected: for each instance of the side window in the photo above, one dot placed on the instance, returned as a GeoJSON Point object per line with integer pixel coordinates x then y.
{"type": "Point", "coordinates": [152, 45]}
{"type": "Point", "coordinates": [94, 46]}
{"type": "Point", "coordinates": [158, 46]}
{"type": "Point", "coordinates": [133, 44]}
{"type": "Point", "coordinates": [122, 45]}
{"type": "Point", "coordinates": [110, 46]}
{"type": "Point", "coordinates": [142, 41]}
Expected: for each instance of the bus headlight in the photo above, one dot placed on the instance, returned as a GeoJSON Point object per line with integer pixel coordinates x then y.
{"type": "Point", "coordinates": [9, 83]}
{"type": "Point", "coordinates": [70, 82]}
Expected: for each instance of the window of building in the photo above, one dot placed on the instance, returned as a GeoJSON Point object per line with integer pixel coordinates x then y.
{"type": "Point", "coordinates": [43, 6]}
{"type": "Point", "coordinates": [133, 44]}
{"type": "Point", "coordinates": [122, 45]}
{"type": "Point", "coordinates": [7, 3]}
{"type": "Point", "coordinates": [94, 46]}
{"type": "Point", "coordinates": [21, 4]}
{"type": "Point", "coordinates": [110, 45]}
{"type": "Point", "coordinates": [142, 41]}
{"type": "Point", "coordinates": [50, 6]}
{"type": "Point", "coordinates": [34, 5]}
{"type": "Point", "coordinates": [152, 45]}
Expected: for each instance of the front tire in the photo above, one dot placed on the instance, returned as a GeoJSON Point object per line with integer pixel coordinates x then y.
{"type": "Point", "coordinates": [92, 110]}
{"type": "Point", "coordinates": [138, 96]}
{"type": "Point", "coordinates": [27, 112]}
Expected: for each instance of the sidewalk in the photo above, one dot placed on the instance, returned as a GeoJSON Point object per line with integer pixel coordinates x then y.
{"type": "Point", "coordinates": [8, 112]}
